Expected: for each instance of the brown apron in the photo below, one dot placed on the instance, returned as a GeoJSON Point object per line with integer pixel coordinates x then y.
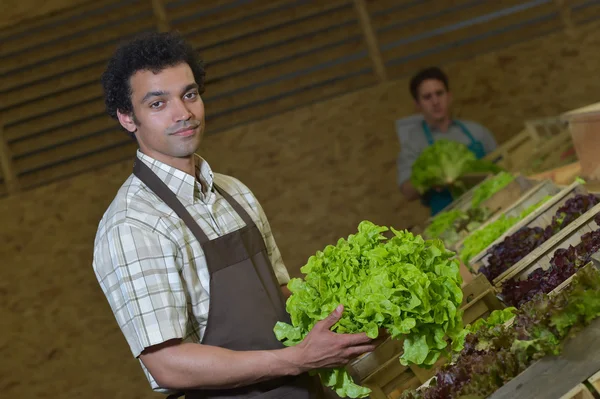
{"type": "Point", "coordinates": [245, 298]}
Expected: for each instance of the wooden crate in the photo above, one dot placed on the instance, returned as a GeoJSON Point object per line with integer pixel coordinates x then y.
{"type": "Point", "coordinates": [541, 217]}
{"type": "Point", "coordinates": [530, 198]}
{"type": "Point", "coordinates": [559, 376]}
{"type": "Point", "coordinates": [514, 152]}
{"type": "Point", "coordinates": [381, 370]}
{"type": "Point", "coordinates": [511, 193]}
{"type": "Point", "coordinates": [541, 256]}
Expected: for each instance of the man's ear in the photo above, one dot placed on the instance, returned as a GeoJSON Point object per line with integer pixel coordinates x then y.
{"type": "Point", "coordinates": [127, 121]}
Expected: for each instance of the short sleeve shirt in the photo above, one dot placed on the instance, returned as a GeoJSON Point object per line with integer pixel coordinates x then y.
{"type": "Point", "coordinates": [151, 267]}
{"type": "Point", "coordinates": [413, 140]}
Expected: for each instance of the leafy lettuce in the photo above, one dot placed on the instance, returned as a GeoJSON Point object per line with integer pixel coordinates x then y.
{"type": "Point", "coordinates": [406, 285]}
{"type": "Point", "coordinates": [442, 163]}
{"type": "Point", "coordinates": [490, 187]}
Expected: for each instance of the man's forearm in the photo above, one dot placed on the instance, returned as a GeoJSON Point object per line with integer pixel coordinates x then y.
{"type": "Point", "coordinates": [195, 366]}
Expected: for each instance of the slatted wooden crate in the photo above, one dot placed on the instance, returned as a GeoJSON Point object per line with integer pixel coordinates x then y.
{"type": "Point", "coordinates": [541, 256]}
{"type": "Point", "coordinates": [381, 369]}
{"type": "Point", "coordinates": [530, 198]}
{"type": "Point", "coordinates": [541, 217]}
{"type": "Point", "coordinates": [560, 376]}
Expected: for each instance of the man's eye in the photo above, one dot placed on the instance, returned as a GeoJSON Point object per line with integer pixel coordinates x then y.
{"type": "Point", "coordinates": [191, 95]}
{"type": "Point", "coordinates": [156, 104]}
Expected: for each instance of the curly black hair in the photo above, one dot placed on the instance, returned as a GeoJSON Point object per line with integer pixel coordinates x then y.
{"type": "Point", "coordinates": [426, 74]}
{"type": "Point", "coordinates": [153, 51]}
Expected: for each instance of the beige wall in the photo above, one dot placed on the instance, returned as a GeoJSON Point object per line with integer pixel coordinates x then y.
{"type": "Point", "coordinates": [319, 171]}
{"type": "Point", "coordinates": [15, 11]}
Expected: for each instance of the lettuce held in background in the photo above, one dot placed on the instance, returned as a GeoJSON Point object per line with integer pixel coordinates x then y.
{"type": "Point", "coordinates": [443, 163]}
{"type": "Point", "coordinates": [405, 285]}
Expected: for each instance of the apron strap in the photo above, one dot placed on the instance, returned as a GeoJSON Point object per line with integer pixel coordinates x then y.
{"type": "Point", "coordinates": [427, 132]}
{"type": "Point", "coordinates": [236, 206]}
{"type": "Point", "coordinates": [465, 131]}
{"type": "Point", "coordinates": [146, 175]}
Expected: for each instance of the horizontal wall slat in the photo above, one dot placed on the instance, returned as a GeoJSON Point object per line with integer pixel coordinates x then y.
{"type": "Point", "coordinates": [472, 46]}
{"type": "Point", "coordinates": [411, 43]}
{"type": "Point", "coordinates": [231, 50]}
{"type": "Point", "coordinates": [377, 7]}
{"type": "Point", "coordinates": [45, 87]}
{"type": "Point", "coordinates": [297, 47]}
{"type": "Point", "coordinates": [107, 11]}
{"type": "Point", "coordinates": [62, 67]}
{"type": "Point", "coordinates": [61, 118]}
{"type": "Point", "coordinates": [48, 22]}
{"type": "Point", "coordinates": [317, 92]}
{"type": "Point", "coordinates": [222, 34]}
{"type": "Point", "coordinates": [61, 135]}
{"type": "Point", "coordinates": [585, 11]}
{"type": "Point", "coordinates": [84, 44]}
{"type": "Point", "coordinates": [69, 150]}
{"type": "Point", "coordinates": [34, 108]}
{"type": "Point", "coordinates": [246, 99]}
{"type": "Point", "coordinates": [274, 72]}
{"type": "Point", "coordinates": [425, 15]}
{"type": "Point", "coordinates": [201, 15]}
{"type": "Point", "coordinates": [76, 166]}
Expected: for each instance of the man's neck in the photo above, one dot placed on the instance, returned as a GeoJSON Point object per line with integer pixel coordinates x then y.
{"type": "Point", "coordinates": [442, 125]}
{"type": "Point", "coordinates": [186, 164]}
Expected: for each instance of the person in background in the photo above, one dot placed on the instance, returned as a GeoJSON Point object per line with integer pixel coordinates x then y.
{"type": "Point", "coordinates": [431, 92]}
{"type": "Point", "coordinates": [185, 256]}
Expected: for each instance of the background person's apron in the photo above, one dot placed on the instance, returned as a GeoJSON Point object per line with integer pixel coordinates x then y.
{"type": "Point", "coordinates": [245, 297]}
{"type": "Point", "coordinates": [438, 200]}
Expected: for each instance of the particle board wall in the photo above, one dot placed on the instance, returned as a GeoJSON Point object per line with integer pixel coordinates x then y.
{"type": "Point", "coordinates": [318, 171]}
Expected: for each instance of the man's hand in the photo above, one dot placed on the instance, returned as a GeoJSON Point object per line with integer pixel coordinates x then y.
{"type": "Point", "coordinates": [322, 348]}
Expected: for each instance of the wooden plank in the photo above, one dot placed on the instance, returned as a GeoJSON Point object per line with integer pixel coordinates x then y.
{"type": "Point", "coordinates": [75, 166]}
{"type": "Point", "coordinates": [576, 363]}
{"type": "Point", "coordinates": [279, 78]}
{"type": "Point", "coordinates": [41, 25]}
{"type": "Point", "coordinates": [541, 217]}
{"type": "Point", "coordinates": [42, 106]}
{"type": "Point", "coordinates": [370, 39]}
{"type": "Point", "coordinates": [594, 380]}
{"type": "Point", "coordinates": [537, 258]}
{"type": "Point", "coordinates": [6, 165]}
{"type": "Point", "coordinates": [313, 32]}
{"type": "Point", "coordinates": [579, 392]}
{"type": "Point", "coordinates": [54, 120]}
{"type": "Point", "coordinates": [510, 194]}
{"type": "Point", "coordinates": [58, 69]}
{"type": "Point", "coordinates": [56, 137]}
{"type": "Point", "coordinates": [207, 15]}
{"type": "Point", "coordinates": [84, 42]}
{"type": "Point", "coordinates": [586, 12]}
{"type": "Point", "coordinates": [385, 6]}
{"type": "Point", "coordinates": [278, 18]}
{"type": "Point", "coordinates": [82, 77]}
{"type": "Point", "coordinates": [100, 13]}
{"type": "Point", "coordinates": [368, 363]}
{"type": "Point", "coordinates": [85, 145]}
{"type": "Point", "coordinates": [313, 92]}
{"type": "Point", "coordinates": [469, 41]}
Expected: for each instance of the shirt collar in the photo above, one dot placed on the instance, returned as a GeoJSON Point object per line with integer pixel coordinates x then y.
{"type": "Point", "coordinates": [183, 184]}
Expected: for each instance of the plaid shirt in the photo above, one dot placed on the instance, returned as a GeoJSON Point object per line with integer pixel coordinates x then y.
{"type": "Point", "coordinates": [150, 266]}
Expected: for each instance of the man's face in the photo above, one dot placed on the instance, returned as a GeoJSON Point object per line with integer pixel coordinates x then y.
{"type": "Point", "coordinates": [168, 113]}
{"type": "Point", "coordinates": [434, 100]}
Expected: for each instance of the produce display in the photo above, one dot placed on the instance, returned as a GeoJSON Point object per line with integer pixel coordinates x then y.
{"type": "Point", "coordinates": [451, 226]}
{"type": "Point", "coordinates": [516, 246]}
{"type": "Point", "coordinates": [494, 353]}
{"type": "Point", "coordinates": [443, 163]}
{"type": "Point", "coordinates": [406, 285]}
{"type": "Point", "coordinates": [482, 238]}
{"type": "Point", "coordinates": [564, 263]}
{"type": "Point", "coordinates": [490, 187]}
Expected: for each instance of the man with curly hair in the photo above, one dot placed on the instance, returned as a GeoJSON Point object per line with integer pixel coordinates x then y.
{"type": "Point", "coordinates": [185, 256]}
